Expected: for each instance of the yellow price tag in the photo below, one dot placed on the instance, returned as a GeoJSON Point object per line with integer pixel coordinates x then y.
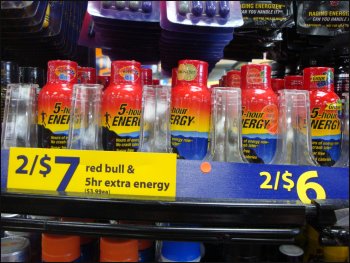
{"type": "Point", "coordinates": [95, 172]}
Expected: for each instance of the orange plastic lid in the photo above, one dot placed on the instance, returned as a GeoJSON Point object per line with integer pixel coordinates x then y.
{"type": "Point", "coordinates": [60, 248]}
{"type": "Point", "coordinates": [118, 250]}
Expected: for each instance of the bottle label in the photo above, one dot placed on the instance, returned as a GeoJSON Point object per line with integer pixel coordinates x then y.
{"type": "Point", "coordinates": [323, 80]}
{"type": "Point", "coordinates": [234, 80]}
{"type": "Point", "coordinates": [53, 122]}
{"type": "Point", "coordinates": [65, 73]}
{"type": "Point", "coordinates": [256, 76]}
{"type": "Point", "coordinates": [326, 132]}
{"type": "Point", "coordinates": [121, 125]}
{"type": "Point", "coordinates": [259, 132]}
{"type": "Point", "coordinates": [189, 125]}
{"type": "Point", "coordinates": [128, 73]}
{"type": "Point", "coordinates": [187, 72]}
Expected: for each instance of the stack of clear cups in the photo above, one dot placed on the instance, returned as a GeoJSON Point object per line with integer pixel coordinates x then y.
{"type": "Point", "coordinates": [155, 119]}
{"type": "Point", "coordinates": [19, 127]}
{"type": "Point", "coordinates": [294, 144]}
{"type": "Point", "coordinates": [226, 126]}
{"type": "Point", "coordinates": [85, 131]}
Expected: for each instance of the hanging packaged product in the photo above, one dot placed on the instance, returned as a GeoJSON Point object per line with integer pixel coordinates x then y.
{"type": "Point", "coordinates": [325, 18]}
{"type": "Point", "coordinates": [325, 110]}
{"type": "Point", "coordinates": [233, 79]}
{"type": "Point", "coordinates": [190, 111]}
{"type": "Point", "coordinates": [121, 108]}
{"type": "Point", "coordinates": [260, 114]}
{"type": "Point", "coordinates": [267, 14]}
{"type": "Point", "coordinates": [54, 103]}
{"type": "Point", "coordinates": [293, 82]}
{"type": "Point", "coordinates": [86, 75]}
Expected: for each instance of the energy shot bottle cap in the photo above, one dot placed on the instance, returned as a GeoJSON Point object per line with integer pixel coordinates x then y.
{"type": "Point", "coordinates": [293, 82]}
{"type": "Point", "coordinates": [255, 76]}
{"type": "Point", "coordinates": [62, 72]}
{"type": "Point", "coordinates": [319, 78]}
{"type": "Point", "coordinates": [126, 72]}
{"type": "Point", "coordinates": [192, 72]}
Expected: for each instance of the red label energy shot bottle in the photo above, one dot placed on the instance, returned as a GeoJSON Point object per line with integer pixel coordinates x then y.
{"type": "Point", "coordinates": [259, 114]}
{"type": "Point", "coordinates": [293, 82]}
{"type": "Point", "coordinates": [121, 108]}
{"type": "Point", "coordinates": [325, 110]}
{"type": "Point", "coordinates": [190, 112]}
{"type": "Point", "coordinates": [146, 76]}
{"type": "Point", "coordinates": [86, 75]}
{"type": "Point", "coordinates": [54, 103]}
{"type": "Point", "coordinates": [233, 78]}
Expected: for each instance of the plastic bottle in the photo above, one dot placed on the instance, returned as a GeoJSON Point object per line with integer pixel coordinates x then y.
{"type": "Point", "coordinates": [175, 251]}
{"type": "Point", "coordinates": [54, 103]}
{"type": "Point", "coordinates": [277, 85]}
{"type": "Point", "coordinates": [121, 107]}
{"type": "Point", "coordinates": [293, 82]}
{"type": "Point", "coordinates": [325, 108]}
{"type": "Point", "coordinates": [190, 112]}
{"type": "Point", "coordinates": [260, 114]}
{"type": "Point", "coordinates": [118, 250]}
{"type": "Point", "coordinates": [86, 75]}
{"type": "Point", "coordinates": [233, 79]}
{"type": "Point", "coordinates": [146, 74]}
{"type": "Point", "coordinates": [60, 248]}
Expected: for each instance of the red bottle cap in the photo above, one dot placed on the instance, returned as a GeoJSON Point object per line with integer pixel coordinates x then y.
{"type": "Point", "coordinates": [233, 79]}
{"type": "Point", "coordinates": [118, 250]}
{"type": "Point", "coordinates": [255, 76]}
{"type": "Point", "coordinates": [319, 78]}
{"type": "Point", "coordinates": [126, 72]}
{"type": "Point", "coordinates": [192, 72]}
{"type": "Point", "coordinates": [173, 77]}
{"type": "Point", "coordinates": [103, 80]}
{"type": "Point", "coordinates": [293, 82]}
{"type": "Point", "coordinates": [62, 72]}
{"type": "Point", "coordinates": [60, 248]}
{"type": "Point", "coordinates": [146, 74]}
{"type": "Point", "coordinates": [277, 84]}
{"type": "Point", "coordinates": [86, 75]}
{"type": "Point", "coordinates": [155, 82]}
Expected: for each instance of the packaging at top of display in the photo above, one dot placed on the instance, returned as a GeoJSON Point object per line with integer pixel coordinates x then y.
{"type": "Point", "coordinates": [15, 249]}
{"type": "Point", "coordinates": [260, 113]}
{"type": "Point", "coordinates": [325, 110]}
{"type": "Point", "coordinates": [86, 75]}
{"type": "Point", "coordinates": [60, 248]}
{"type": "Point", "coordinates": [293, 82]}
{"type": "Point", "coordinates": [325, 18]}
{"type": "Point", "coordinates": [233, 78]}
{"type": "Point", "coordinates": [146, 76]}
{"type": "Point", "coordinates": [121, 107]}
{"type": "Point", "coordinates": [54, 103]}
{"type": "Point", "coordinates": [205, 13]}
{"type": "Point", "coordinates": [147, 11]}
{"type": "Point", "coordinates": [118, 250]}
{"type": "Point", "coordinates": [190, 111]}
{"type": "Point", "coordinates": [267, 14]}
{"type": "Point", "coordinates": [277, 85]}
{"type": "Point", "coordinates": [178, 251]}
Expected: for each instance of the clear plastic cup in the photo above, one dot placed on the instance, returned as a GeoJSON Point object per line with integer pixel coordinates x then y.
{"type": "Point", "coordinates": [155, 119]}
{"type": "Point", "coordinates": [85, 132]}
{"type": "Point", "coordinates": [19, 127]}
{"type": "Point", "coordinates": [226, 126]}
{"type": "Point", "coordinates": [294, 144]}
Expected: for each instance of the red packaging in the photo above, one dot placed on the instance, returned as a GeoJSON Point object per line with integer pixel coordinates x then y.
{"type": "Point", "coordinates": [103, 80]}
{"type": "Point", "coordinates": [54, 103]}
{"type": "Point", "coordinates": [190, 112]}
{"type": "Point", "coordinates": [173, 77]}
{"type": "Point", "coordinates": [155, 82]}
{"type": "Point", "coordinates": [293, 82]}
{"type": "Point", "coordinates": [146, 74]}
{"type": "Point", "coordinates": [325, 110]}
{"type": "Point", "coordinates": [121, 107]}
{"type": "Point", "coordinates": [233, 79]}
{"type": "Point", "coordinates": [259, 114]}
{"type": "Point", "coordinates": [277, 84]}
{"type": "Point", "coordinates": [86, 75]}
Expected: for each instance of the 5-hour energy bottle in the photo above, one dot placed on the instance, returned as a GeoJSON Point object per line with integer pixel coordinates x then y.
{"type": "Point", "coordinates": [325, 110]}
{"type": "Point", "coordinates": [259, 114]}
{"type": "Point", "coordinates": [190, 111]}
{"type": "Point", "coordinates": [121, 108]}
{"type": "Point", "coordinates": [54, 103]}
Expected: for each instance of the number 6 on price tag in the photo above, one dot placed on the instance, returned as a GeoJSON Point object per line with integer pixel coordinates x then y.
{"type": "Point", "coordinates": [303, 186]}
